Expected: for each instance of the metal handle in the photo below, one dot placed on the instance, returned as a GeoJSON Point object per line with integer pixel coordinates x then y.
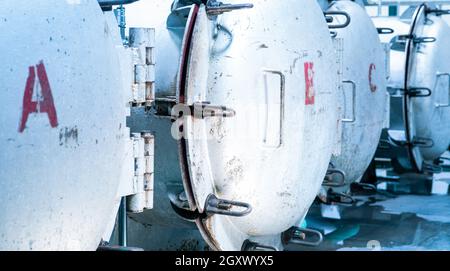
{"type": "Point", "coordinates": [328, 181]}
{"type": "Point", "coordinates": [415, 39]}
{"type": "Point", "coordinates": [302, 236]}
{"type": "Point", "coordinates": [329, 18]}
{"type": "Point", "coordinates": [439, 75]}
{"type": "Point", "coordinates": [214, 205]}
{"type": "Point", "coordinates": [418, 92]}
{"type": "Point", "coordinates": [385, 30]}
{"type": "Point", "coordinates": [282, 96]}
{"type": "Point", "coordinates": [353, 119]}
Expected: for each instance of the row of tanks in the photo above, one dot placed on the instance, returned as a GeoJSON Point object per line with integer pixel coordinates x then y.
{"type": "Point", "coordinates": [226, 120]}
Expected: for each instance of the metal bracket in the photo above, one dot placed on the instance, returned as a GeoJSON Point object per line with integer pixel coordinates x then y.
{"type": "Point", "coordinates": [437, 12]}
{"type": "Point", "coordinates": [415, 39]}
{"type": "Point", "coordinates": [338, 198]}
{"type": "Point", "coordinates": [216, 206]}
{"type": "Point", "coordinates": [214, 7]}
{"type": "Point", "coordinates": [385, 30]}
{"type": "Point", "coordinates": [364, 188]}
{"type": "Point", "coordinates": [416, 142]}
{"type": "Point", "coordinates": [253, 246]}
{"type": "Point", "coordinates": [330, 178]}
{"type": "Point", "coordinates": [329, 18]}
{"type": "Point", "coordinates": [302, 236]}
{"type": "Point", "coordinates": [416, 92]}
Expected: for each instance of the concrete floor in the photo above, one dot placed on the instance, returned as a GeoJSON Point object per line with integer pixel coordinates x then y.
{"type": "Point", "coordinates": [385, 221]}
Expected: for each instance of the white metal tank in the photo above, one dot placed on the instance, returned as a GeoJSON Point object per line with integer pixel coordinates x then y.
{"type": "Point", "coordinates": [362, 58]}
{"type": "Point", "coordinates": [63, 131]}
{"type": "Point", "coordinates": [256, 150]}
{"type": "Point", "coordinates": [419, 86]}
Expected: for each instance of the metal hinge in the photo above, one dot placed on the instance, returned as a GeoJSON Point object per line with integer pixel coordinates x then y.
{"type": "Point", "coordinates": [143, 152]}
{"type": "Point", "coordinates": [142, 44]}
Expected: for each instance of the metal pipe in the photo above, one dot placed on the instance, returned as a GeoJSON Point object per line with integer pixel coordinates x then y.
{"type": "Point", "coordinates": [122, 227]}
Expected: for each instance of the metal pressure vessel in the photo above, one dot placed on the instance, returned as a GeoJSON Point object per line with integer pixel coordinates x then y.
{"type": "Point", "coordinates": [63, 132]}
{"type": "Point", "coordinates": [364, 105]}
{"type": "Point", "coordinates": [419, 86]}
{"type": "Point", "coordinates": [257, 88]}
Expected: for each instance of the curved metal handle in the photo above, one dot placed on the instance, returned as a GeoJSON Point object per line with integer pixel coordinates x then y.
{"type": "Point", "coordinates": [302, 236]}
{"type": "Point", "coordinates": [439, 75]}
{"type": "Point", "coordinates": [216, 206]}
{"type": "Point", "coordinates": [385, 30]}
{"type": "Point", "coordinates": [329, 18]}
{"type": "Point", "coordinates": [353, 119]}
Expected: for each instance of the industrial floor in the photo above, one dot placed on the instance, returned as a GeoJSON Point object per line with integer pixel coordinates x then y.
{"type": "Point", "coordinates": [404, 222]}
{"type": "Point", "coordinates": [390, 220]}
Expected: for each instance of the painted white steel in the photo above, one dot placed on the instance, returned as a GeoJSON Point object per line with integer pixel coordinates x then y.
{"type": "Point", "coordinates": [59, 183]}
{"type": "Point", "coordinates": [429, 70]}
{"type": "Point", "coordinates": [254, 54]}
{"type": "Point", "coordinates": [364, 70]}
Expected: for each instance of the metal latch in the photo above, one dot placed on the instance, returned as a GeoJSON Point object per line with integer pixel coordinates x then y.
{"type": "Point", "coordinates": [143, 181]}
{"type": "Point", "coordinates": [334, 178]}
{"type": "Point", "coordinates": [302, 236]}
{"type": "Point", "coordinates": [385, 30]}
{"type": "Point", "coordinates": [329, 17]}
{"type": "Point", "coordinates": [415, 39]}
{"type": "Point", "coordinates": [253, 246]}
{"type": "Point", "coordinates": [206, 110]}
{"type": "Point", "coordinates": [416, 142]}
{"type": "Point", "coordinates": [199, 110]}
{"type": "Point", "coordinates": [416, 92]}
{"type": "Point", "coordinates": [214, 7]}
{"type": "Point", "coordinates": [214, 206]}
{"type": "Point", "coordinates": [142, 44]}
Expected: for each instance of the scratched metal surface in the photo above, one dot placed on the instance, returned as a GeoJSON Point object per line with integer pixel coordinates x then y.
{"type": "Point", "coordinates": [62, 127]}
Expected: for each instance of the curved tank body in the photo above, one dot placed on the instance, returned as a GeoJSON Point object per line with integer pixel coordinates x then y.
{"type": "Point", "coordinates": [364, 87]}
{"type": "Point", "coordinates": [244, 73]}
{"type": "Point", "coordinates": [63, 129]}
{"type": "Point", "coordinates": [418, 132]}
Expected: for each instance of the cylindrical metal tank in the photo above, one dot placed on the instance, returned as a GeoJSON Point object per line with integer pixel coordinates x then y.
{"type": "Point", "coordinates": [262, 84]}
{"type": "Point", "coordinates": [362, 58]}
{"type": "Point", "coordinates": [63, 131]}
{"type": "Point", "coordinates": [419, 86]}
